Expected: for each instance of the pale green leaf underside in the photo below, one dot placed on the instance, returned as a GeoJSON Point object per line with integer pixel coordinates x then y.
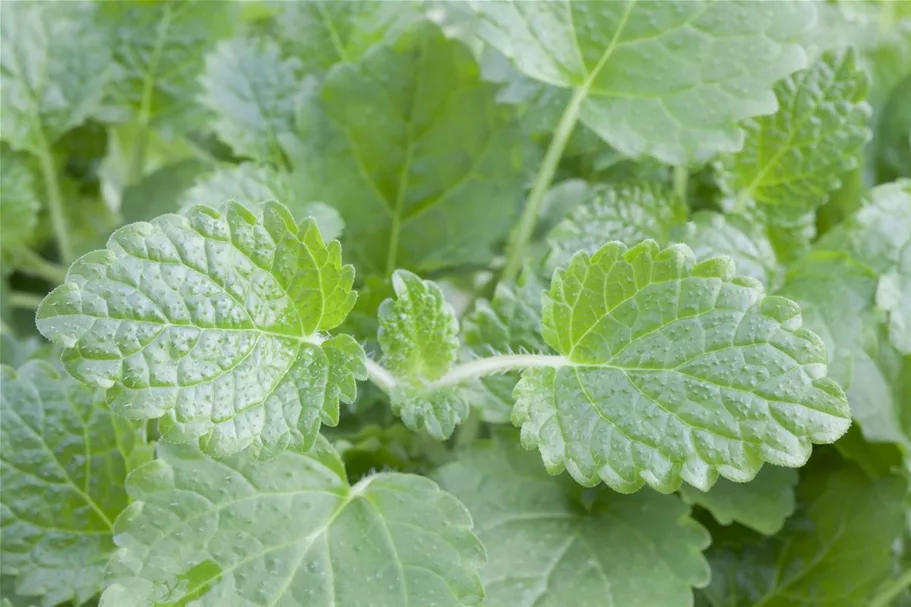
{"type": "Point", "coordinates": [668, 79]}
{"type": "Point", "coordinates": [835, 553]}
{"type": "Point", "coordinates": [711, 234]}
{"type": "Point", "coordinates": [549, 549]}
{"type": "Point", "coordinates": [409, 144]}
{"type": "Point", "coordinates": [19, 202]}
{"type": "Point", "coordinates": [674, 371]}
{"type": "Point", "coordinates": [762, 504]}
{"type": "Point", "coordinates": [251, 185]}
{"type": "Point", "coordinates": [625, 213]}
{"type": "Point", "coordinates": [879, 235]}
{"type": "Point", "coordinates": [62, 469]}
{"type": "Point", "coordinates": [54, 70]}
{"type": "Point", "coordinates": [291, 532]}
{"type": "Point", "coordinates": [254, 93]}
{"type": "Point", "coordinates": [213, 322]}
{"type": "Point", "coordinates": [792, 159]}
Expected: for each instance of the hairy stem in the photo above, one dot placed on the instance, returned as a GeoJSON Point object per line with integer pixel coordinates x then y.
{"type": "Point", "coordinates": [519, 241]}
{"type": "Point", "coordinates": [481, 367]}
{"type": "Point", "coordinates": [35, 265]}
{"type": "Point", "coordinates": [55, 202]}
{"type": "Point", "coordinates": [895, 587]}
{"type": "Point", "coordinates": [380, 377]}
{"type": "Point", "coordinates": [28, 301]}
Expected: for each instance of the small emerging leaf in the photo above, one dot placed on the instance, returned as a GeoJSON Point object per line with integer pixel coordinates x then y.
{"type": "Point", "coordinates": [418, 335]}
{"type": "Point", "coordinates": [674, 371]}
{"type": "Point", "coordinates": [213, 321]}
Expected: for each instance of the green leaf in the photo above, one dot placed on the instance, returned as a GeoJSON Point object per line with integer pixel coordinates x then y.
{"type": "Point", "coordinates": [712, 234]}
{"type": "Point", "coordinates": [418, 334]}
{"type": "Point", "coordinates": [254, 93]}
{"type": "Point", "coordinates": [63, 461]}
{"type": "Point", "coordinates": [673, 371]}
{"type": "Point", "coordinates": [627, 213]}
{"type": "Point", "coordinates": [293, 532]}
{"type": "Point", "coordinates": [213, 322]}
{"type": "Point", "coordinates": [793, 159]}
{"type": "Point", "coordinates": [550, 546]}
{"type": "Point", "coordinates": [418, 330]}
{"type": "Point", "coordinates": [667, 79]}
{"type": "Point", "coordinates": [834, 553]}
{"type": "Point", "coordinates": [893, 134]}
{"type": "Point", "coordinates": [158, 49]}
{"type": "Point", "coordinates": [879, 235]}
{"type": "Point", "coordinates": [19, 204]}
{"type": "Point", "coordinates": [323, 33]}
{"type": "Point", "coordinates": [54, 65]}
{"type": "Point", "coordinates": [251, 185]}
{"type": "Point", "coordinates": [430, 177]}
{"type": "Point", "coordinates": [159, 192]}
{"type": "Point", "coordinates": [762, 504]}
{"type": "Point", "coordinates": [837, 296]}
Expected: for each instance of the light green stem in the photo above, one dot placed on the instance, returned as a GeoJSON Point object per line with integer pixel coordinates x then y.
{"type": "Point", "coordinates": [522, 235]}
{"type": "Point", "coordinates": [55, 202]}
{"type": "Point", "coordinates": [681, 179]}
{"type": "Point", "coordinates": [888, 594]}
{"type": "Point", "coordinates": [34, 264]}
{"type": "Point", "coordinates": [481, 367]}
{"type": "Point", "coordinates": [29, 301]}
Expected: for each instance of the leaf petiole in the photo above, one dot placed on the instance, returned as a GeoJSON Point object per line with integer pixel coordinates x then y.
{"type": "Point", "coordinates": [27, 301]}
{"type": "Point", "coordinates": [888, 594]}
{"type": "Point", "coordinates": [55, 201]}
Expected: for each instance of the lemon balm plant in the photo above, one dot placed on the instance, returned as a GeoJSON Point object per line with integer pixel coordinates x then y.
{"type": "Point", "coordinates": [437, 304]}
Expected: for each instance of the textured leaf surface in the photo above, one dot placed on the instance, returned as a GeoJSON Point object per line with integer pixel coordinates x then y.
{"type": "Point", "coordinates": [673, 371]}
{"type": "Point", "coordinates": [158, 50]}
{"type": "Point", "coordinates": [19, 203]}
{"type": "Point", "coordinates": [712, 234]}
{"type": "Point", "coordinates": [625, 213]}
{"type": "Point", "coordinates": [292, 532]}
{"type": "Point", "coordinates": [213, 320]}
{"type": "Point", "coordinates": [419, 337]}
{"type": "Point", "coordinates": [251, 185]}
{"type": "Point", "coordinates": [430, 177]}
{"type": "Point", "coordinates": [837, 296]}
{"type": "Point", "coordinates": [834, 554]}
{"type": "Point", "coordinates": [323, 33]}
{"type": "Point", "coordinates": [668, 79]}
{"type": "Point", "coordinates": [549, 545]}
{"type": "Point", "coordinates": [418, 329]}
{"type": "Point", "coordinates": [762, 504]}
{"type": "Point", "coordinates": [62, 466]}
{"type": "Point", "coordinates": [53, 70]}
{"type": "Point", "coordinates": [879, 235]}
{"type": "Point", "coordinates": [254, 93]}
{"type": "Point", "coordinates": [792, 159]}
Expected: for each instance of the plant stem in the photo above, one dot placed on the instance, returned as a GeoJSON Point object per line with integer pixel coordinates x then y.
{"type": "Point", "coordinates": [681, 178]}
{"type": "Point", "coordinates": [519, 241]}
{"type": "Point", "coordinates": [34, 264]}
{"type": "Point", "coordinates": [470, 370]}
{"type": "Point", "coordinates": [380, 377]}
{"type": "Point", "coordinates": [29, 301]}
{"type": "Point", "coordinates": [55, 202]}
{"type": "Point", "coordinates": [885, 596]}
